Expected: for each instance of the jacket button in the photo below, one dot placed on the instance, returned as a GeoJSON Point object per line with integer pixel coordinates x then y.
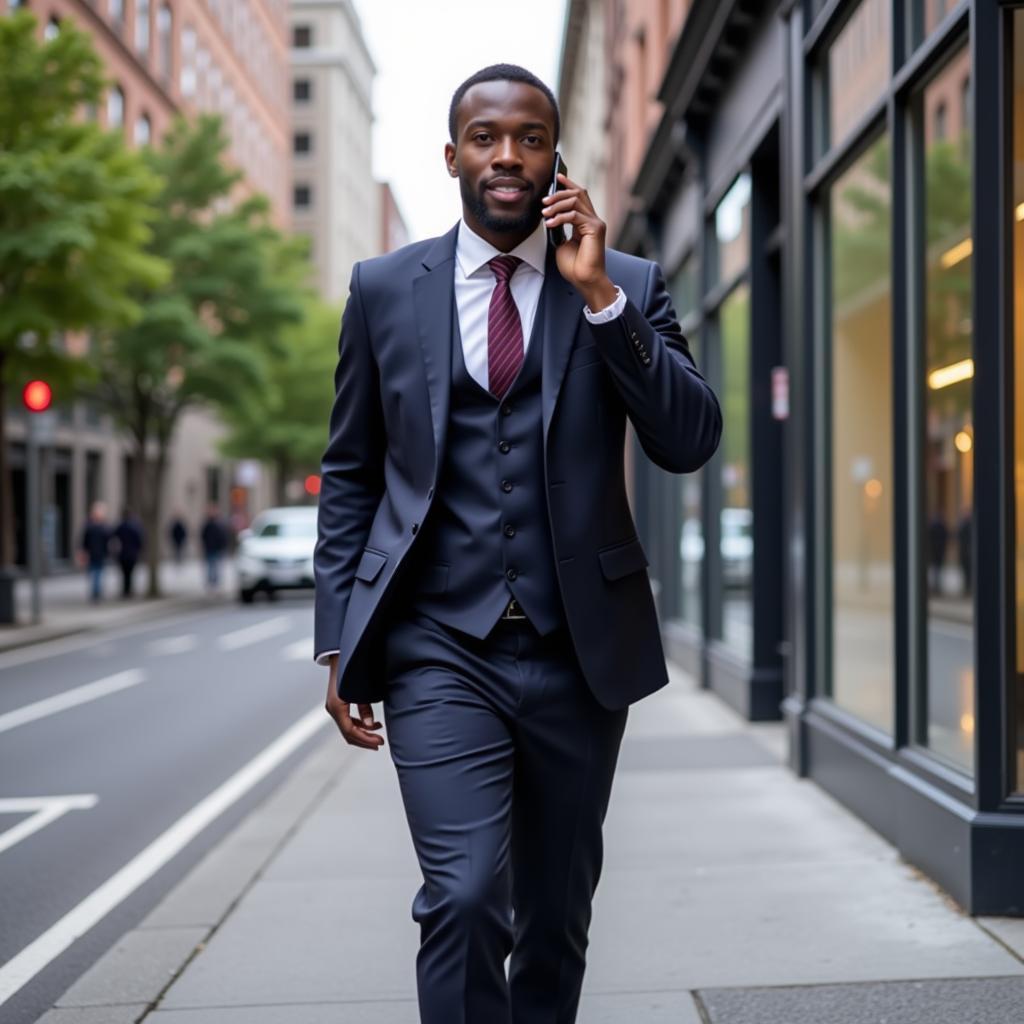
{"type": "Point", "coordinates": [430, 493]}
{"type": "Point", "coordinates": [510, 530]}
{"type": "Point", "coordinates": [512, 574]}
{"type": "Point", "coordinates": [504, 447]}
{"type": "Point", "coordinates": [647, 361]}
{"type": "Point", "coordinates": [506, 486]}
{"type": "Point", "coordinates": [415, 528]}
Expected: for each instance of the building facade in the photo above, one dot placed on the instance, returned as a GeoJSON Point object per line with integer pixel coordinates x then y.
{"type": "Point", "coordinates": [834, 191]}
{"type": "Point", "coordinates": [164, 58]}
{"type": "Point", "coordinates": [336, 202]}
{"type": "Point", "coordinates": [394, 233]}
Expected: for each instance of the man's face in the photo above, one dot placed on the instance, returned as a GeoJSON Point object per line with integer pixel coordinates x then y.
{"type": "Point", "coordinates": [503, 155]}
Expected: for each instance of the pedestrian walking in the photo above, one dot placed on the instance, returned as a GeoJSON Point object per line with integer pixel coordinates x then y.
{"type": "Point", "coordinates": [94, 548]}
{"type": "Point", "coordinates": [177, 531]}
{"type": "Point", "coordinates": [477, 566]}
{"type": "Point", "coordinates": [938, 541]}
{"type": "Point", "coordinates": [214, 538]}
{"type": "Point", "coordinates": [130, 540]}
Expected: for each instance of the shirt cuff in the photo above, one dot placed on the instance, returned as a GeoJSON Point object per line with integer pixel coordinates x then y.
{"type": "Point", "coordinates": [602, 316]}
{"type": "Point", "coordinates": [324, 657]}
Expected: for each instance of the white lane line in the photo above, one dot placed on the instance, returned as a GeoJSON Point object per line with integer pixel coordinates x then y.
{"type": "Point", "coordinates": [301, 650]}
{"type": "Point", "coordinates": [47, 808]}
{"type": "Point", "coordinates": [172, 645]}
{"type": "Point", "coordinates": [71, 698]}
{"type": "Point", "coordinates": [253, 634]}
{"type": "Point", "coordinates": [23, 967]}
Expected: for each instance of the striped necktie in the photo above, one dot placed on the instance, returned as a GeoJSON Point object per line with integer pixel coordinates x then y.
{"type": "Point", "coordinates": [504, 329]}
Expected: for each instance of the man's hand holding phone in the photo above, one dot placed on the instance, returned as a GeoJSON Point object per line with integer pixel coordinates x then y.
{"type": "Point", "coordinates": [580, 258]}
{"type": "Point", "coordinates": [358, 732]}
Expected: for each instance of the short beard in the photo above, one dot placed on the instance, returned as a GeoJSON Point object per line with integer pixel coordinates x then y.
{"type": "Point", "coordinates": [513, 224]}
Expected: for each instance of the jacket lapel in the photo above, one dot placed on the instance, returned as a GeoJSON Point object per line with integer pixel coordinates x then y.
{"type": "Point", "coordinates": [434, 300]}
{"type": "Point", "coordinates": [562, 308]}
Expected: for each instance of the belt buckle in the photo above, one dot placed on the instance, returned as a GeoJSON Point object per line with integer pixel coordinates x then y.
{"type": "Point", "coordinates": [511, 610]}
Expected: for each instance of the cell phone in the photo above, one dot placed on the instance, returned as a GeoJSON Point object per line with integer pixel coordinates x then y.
{"type": "Point", "coordinates": [557, 233]}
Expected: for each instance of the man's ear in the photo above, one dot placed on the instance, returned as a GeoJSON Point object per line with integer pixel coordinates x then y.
{"type": "Point", "coordinates": [449, 159]}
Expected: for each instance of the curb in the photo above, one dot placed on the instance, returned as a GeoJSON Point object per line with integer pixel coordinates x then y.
{"type": "Point", "coordinates": [127, 983]}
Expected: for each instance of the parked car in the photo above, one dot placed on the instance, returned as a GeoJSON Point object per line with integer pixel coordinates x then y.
{"type": "Point", "coordinates": [276, 552]}
{"type": "Point", "coordinates": [736, 545]}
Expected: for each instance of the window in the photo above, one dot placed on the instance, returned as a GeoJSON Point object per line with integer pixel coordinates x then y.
{"type": "Point", "coordinates": [165, 34]}
{"type": "Point", "coordinates": [115, 107]}
{"type": "Point", "coordinates": [860, 400]}
{"type": "Point", "coordinates": [302, 143]}
{"type": "Point", "coordinates": [188, 61]}
{"type": "Point", "coordinates": [943, 703]}
{"type": "Point", "coordinates": [302, 90]}
{"type": "Point", "coordinates": [736, 521]}
{"type": "Point", "coordinates": [142, 26]}
{"type": "Point", "coordinates": [52, 29]}
{"type": "Point", "coordinates": [302, 197]}
{"type": "Point", "coordinates": [143, 130]}
{"type": "Point", "coordinates": [732, 231]}
{"type": "Point", "coordinates": [939, 122]}
{"type": "Point", "coordinates": [858, 68]}
{"type": "Point", "coordinates": [302, 36]}
{"type": "Point", "coordinates": [925, 17]}
{"type": "Point", "coordinates": [116, 10]}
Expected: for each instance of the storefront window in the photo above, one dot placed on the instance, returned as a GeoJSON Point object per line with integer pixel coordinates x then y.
{"type": "Point", "coordinates": [925, 16]}
{"type": "Point", "coordinates": [1018, 375]}
{"type": "Point", "coordinates": [732, 231]}
{"type": "Point", "coordinates": [736, 546]}
{"type": "Point", "coordinates": [858, 67]}
{"type": "Point", "coordinates": [944, 714]}
{"type": "Point", "coordinates": [861, 458]}
{"type": "Point", "coordinates": [691, 532]}
{"type": "Point", "coordinates": [683, 288]}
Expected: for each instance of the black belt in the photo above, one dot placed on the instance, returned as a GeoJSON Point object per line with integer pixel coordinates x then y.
{"type": "Point", "coordinates": [513, 612]}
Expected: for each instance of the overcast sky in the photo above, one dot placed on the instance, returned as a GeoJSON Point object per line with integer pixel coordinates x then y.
{"type": "Point", "coordinates": [423, 49]}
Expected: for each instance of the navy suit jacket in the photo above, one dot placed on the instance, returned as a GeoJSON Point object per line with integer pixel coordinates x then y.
{"type": "Point", "coordinates": [387, 438]}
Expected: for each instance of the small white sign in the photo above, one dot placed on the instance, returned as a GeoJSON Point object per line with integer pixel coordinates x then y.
{"type": "Point", "coordinates": [780, 393]}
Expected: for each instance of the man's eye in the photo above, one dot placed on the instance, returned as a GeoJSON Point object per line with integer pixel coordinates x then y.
{"type": "Point", "coordinates": [481, 137]}
{"type": "Point", "coordinates": [532, 139]}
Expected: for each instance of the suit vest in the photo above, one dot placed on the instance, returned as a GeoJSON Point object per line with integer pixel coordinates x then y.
{"type": "Point", "coordinates": [487, 536]}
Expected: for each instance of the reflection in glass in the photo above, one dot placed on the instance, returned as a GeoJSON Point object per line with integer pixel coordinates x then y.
{"type": "Point", "coordinates": [945, 717]}
{"type": "Point", "coordinates": [683, 288]}
{"type": "Point", "coordinates": [925, 16]}
{"type": "Point", "coordinates": [1018, 375]}
{"type": "Point", "coordinates": [732, 230]}
{"type": "Point", "coordinates": [858, 67]}
{"type": "Point", "coordinates": [861, 406]}
{"type": "Point", "coordinates": [691, 534]}
{"type": "Point", "coordinates": [736, 522]}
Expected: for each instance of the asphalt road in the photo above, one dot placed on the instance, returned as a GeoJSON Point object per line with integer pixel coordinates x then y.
{"type": "Point", "coordinates": [166, 714]}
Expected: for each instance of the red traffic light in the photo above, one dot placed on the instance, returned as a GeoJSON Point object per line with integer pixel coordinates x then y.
{"type": "Point", "coordinates": [312, 484]}
{"type": "Point", "coordinates": [37, 396]}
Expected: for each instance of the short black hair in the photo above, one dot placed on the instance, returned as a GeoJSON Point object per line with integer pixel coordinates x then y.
{"type": "Point", "coordinates": [501, 73]}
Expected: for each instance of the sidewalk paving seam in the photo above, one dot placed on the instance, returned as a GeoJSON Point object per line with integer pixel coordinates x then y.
{"type": "Point", "coordinates": [1000, 940]}
{"type": "Point", "coordinates": [321, 794]}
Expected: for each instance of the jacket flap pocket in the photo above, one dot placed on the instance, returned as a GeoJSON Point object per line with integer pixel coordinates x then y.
{"type": "Point", "coordinates": [622, 559]}
{"type": "Point", "coordinates": [370, 565]}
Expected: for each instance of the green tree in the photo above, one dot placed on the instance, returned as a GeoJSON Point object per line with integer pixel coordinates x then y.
{"type": "Point", "coordinates": [206, 332]}
{"type": "Point", "coordinates": [74, 212]}
{"type": "Point", "coordinates": [285, 422]}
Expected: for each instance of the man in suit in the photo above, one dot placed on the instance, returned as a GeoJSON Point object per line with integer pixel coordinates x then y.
{"type": "Point", "coordinates": [477, 566]}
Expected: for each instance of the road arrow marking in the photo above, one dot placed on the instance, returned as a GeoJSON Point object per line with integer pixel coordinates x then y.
{"type": "Point", "coordinates": [71, 698]}
{"type": "Point", "coordinates": [253, 634]}
{"type": "Point", "coordinates": [47, 809]}
{"type": "Point", "coordinates": [23, 967]}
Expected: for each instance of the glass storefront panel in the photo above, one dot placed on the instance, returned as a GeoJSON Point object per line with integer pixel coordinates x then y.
{"type": "Point", "coordinates": [691, 535]}
{"type": "Point", "coordinates": [858, 67]}
{"type": "Point", "coordinates": [732, 231]}
{"type": "Point", "coordinates": [1018, 379]}
{"type": "Point", "coordinates": [925, 17]}
{"type": "Point", "coordinates": [863, 653]}
{"type": "Point", "coordinates": [684, 287]}
{"type": "Point", "coordinates": [736, 545]}
{"type": "Point", "coordinates": [944, 712]}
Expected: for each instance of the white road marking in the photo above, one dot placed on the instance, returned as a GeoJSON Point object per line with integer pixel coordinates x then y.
{"type": "Point", "coordinates": [47, 808]}
{"type": "Point", "coordinates": [253, 634]}
{"type": "Point", "coordinates": [301, 650]}
{"type": "Point", "coordinates": [172, 645]}
{"type": "Point", "coordinates": [71, 698]}
{"type": "Point", "coordinates": [23, 967]}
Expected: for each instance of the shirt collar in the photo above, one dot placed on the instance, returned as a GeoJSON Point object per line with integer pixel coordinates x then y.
{"type": "Point", "coordinates": [473, 252]}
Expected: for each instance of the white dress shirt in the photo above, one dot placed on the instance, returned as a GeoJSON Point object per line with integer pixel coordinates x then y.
{"type": "Point", "coordinates": [474, 283]}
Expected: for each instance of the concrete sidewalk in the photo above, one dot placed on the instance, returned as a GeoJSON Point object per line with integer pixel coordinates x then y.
{"type": "Point", "coordinates": [733, 893]}
{"type": "Point", "coordinates": [66, 608]}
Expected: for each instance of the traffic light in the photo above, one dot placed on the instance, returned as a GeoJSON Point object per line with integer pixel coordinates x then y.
{"type": "Point", "coordinates": [37, 396]}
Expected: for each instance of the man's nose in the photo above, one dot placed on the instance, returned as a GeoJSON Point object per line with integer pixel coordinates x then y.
{"type": "Point", "coordinates": [507, 154]}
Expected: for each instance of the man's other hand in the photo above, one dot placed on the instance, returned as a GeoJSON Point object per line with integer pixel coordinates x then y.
{"type": "Point", "coordinates": [358, 732]}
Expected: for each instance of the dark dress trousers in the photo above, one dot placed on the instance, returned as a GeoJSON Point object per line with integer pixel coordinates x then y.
{"type": "Point", "coordinates": [439, 503]}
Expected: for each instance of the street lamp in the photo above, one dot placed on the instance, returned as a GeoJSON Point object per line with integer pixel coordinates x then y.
{"type": "Point", "coordinates": [37, 396]}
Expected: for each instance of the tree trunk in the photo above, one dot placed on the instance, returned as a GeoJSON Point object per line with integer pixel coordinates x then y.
{"type": "Point", "coordinates": [282, 471]}
{"type": "Point", "coordinates": [6, 488]}
{"type": "Point", "coordinates": [152, 507]}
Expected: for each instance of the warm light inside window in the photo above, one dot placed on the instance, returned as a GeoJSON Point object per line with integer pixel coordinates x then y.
{"type": "Point", "coordinates": [963, 441]}
{"type": "Point", "coordinates": [873, 488]}
{"type": "Point", "coordinates": [951, 374]}
{"type": "Point", "coordinates": [952, 256]}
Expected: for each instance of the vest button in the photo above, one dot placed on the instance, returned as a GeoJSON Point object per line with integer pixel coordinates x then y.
{"type": "Point", "coordinates": [506, 486]}
{"type": "Point", "coordinates": [506, 410]}
{"type": "Point", "coordinates": [504, 447]}
{"type": "Point", "coordinates": [510, 530]}
{"type": "Point", "coordinates": [512, 574]}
